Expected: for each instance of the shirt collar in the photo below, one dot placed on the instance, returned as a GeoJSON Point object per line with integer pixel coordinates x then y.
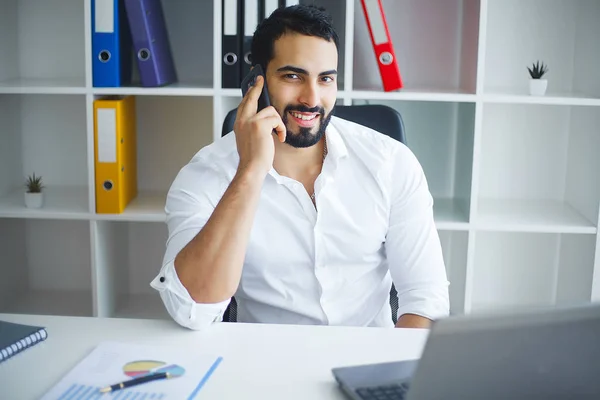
{"type": "Point", "coordinates": [336, 148]}
{"type": "Point", "coordinates": [335, 144]}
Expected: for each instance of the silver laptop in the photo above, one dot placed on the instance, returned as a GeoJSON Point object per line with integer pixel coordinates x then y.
{"type": "Point", "coordinates": [543, 354]}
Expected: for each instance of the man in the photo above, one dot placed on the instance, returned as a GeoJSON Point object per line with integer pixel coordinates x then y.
{"type": "Point", "coordinates": [304, 217]}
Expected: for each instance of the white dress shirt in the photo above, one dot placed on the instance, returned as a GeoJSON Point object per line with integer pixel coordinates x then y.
{"type": "Point", "coordinates": [334, 266]}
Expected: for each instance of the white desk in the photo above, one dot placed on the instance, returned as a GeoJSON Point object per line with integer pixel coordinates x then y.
{"type": "Point", "coordinates": [259, 361]}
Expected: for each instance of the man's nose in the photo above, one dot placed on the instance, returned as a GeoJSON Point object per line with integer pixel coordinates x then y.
{"type": "Point", "coordinates": [310, 95]}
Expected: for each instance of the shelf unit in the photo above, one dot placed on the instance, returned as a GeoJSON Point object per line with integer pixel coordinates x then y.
{"type": "Point", "coordinates": [516, 178]}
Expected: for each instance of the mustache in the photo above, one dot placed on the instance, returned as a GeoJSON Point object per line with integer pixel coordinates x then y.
{"type": "Point", "coordinates": [301, 108]}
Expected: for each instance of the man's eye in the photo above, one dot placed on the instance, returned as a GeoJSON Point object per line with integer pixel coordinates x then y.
{"type": "Point", "coordinates": [327, 79]}
{"type": "Point", "coordinates": [291, 76]}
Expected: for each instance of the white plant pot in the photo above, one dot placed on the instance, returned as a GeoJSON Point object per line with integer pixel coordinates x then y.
{"type": "Point", "coordinates": [537, 87]}
{"type": "Point", "coordinates": [34, 200]}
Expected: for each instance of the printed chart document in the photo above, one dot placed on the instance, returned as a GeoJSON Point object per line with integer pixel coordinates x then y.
{"type": "Point", "coordinates": [114, 362]}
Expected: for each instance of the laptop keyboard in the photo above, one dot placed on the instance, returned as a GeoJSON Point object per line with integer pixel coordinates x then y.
{"type": "Point", "coordinates": [391, 392]}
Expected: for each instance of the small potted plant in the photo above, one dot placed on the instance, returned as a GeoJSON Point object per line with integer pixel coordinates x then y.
{"type": "Point", "coordinates": [34, 197]}
{"type": "Point", "coordinates": [537, 85]}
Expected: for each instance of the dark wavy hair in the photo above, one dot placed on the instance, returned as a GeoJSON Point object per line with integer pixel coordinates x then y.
{"type": "Point", "coordinates": [307, 20]}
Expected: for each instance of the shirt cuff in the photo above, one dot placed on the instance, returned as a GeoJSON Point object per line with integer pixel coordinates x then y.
{"type": "Point", "coordinates": [180, 305]}
{"type": "Point", "coordinates": [424, 303]}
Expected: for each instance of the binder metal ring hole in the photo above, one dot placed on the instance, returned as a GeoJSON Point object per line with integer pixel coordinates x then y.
{"type": "Point", "coordinates": [104, 56]}
{"type": "Point", "coordinates": [230, 59]}
{"type": "Point", "coordinates": [107, 185]}
{"type": "Point", "coordinates": [248, 58]}
{"type": "Point", "coordinates": [386, 58]}
{"type": "Point", "coordinates": [144, 54]}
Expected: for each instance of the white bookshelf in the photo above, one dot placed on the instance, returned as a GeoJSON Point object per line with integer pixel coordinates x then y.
{"type": "Point", "coordinates": [516, 179]}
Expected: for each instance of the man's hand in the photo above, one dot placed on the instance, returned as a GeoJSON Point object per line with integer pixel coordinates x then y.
{"type": "Point", "coordinates": [253, 132]}
{"type": "Point", "coordinates": [210, 265]}
{"type": "Point", "coordinates": [413, 321]}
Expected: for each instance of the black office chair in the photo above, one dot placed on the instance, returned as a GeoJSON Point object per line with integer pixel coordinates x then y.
{"type": "Point", "coordinates": [381, 118]}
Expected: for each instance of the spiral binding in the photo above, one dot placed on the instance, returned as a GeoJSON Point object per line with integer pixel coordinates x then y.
{"type": "Point", "coordinates": [23, 344]}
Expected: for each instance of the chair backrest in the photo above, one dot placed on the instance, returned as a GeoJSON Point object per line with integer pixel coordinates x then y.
{"type": "Point", "coordinates": [379, 117]}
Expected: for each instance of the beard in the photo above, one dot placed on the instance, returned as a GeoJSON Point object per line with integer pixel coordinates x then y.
{"type": "Point", "coordinates": [304, 137]}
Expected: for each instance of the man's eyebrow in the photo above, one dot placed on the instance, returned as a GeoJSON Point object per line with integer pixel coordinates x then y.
{"type": "Point", "coordinates": [303, 71]}
{"type": "Point", "coordinates": [292, 69]}
{"type": "Point", "coordinates": [330, 72]}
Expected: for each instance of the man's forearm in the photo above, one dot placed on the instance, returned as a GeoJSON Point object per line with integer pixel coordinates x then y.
{"type": "Point", "coordinates": [413, 321]}
{"type": "Point", "coordinates": [210, 265]}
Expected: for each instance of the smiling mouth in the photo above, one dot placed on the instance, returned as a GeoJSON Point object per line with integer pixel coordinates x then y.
{"type": "Point", "coordinates": [303, 117]}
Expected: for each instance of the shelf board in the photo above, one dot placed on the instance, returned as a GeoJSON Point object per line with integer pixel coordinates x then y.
{"type": "Point", "coordinates": [236, 93]}
{"type": "Point", "coordinates": [541, 216]}
{"type": "Point", "coordinates": [144, 306]}
{"type": "Point", "coordinates": [414, 94]}
{"type": "Point", "coordinates": [60, 202]}
{"type": "Point", "coordinates": [449, 215]}
{"type": "Point", "coordinates": [551, 98]}
{"type": "Point", "coordinates": [148, 206]}
{"type": "Point", "coordinates": [230, 92]}
{"type": "Point", "coordinates": [175, 89]}
{"type": "Point", "coordinates": [52, 302]}
{"type": "Point", "coordinates": [43, 86]}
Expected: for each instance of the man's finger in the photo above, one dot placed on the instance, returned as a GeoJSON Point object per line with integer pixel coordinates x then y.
{"type": "Point", "coordinates": [267, 112]}
{"type": "Point", "coordinates": [249, 104]}
{"type": "Point", "coordinates": [278, 126]}
{"type": "Point", "coordinates": [244, 99]}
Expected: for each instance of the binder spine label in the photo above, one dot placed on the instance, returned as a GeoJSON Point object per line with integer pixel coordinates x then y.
{"type": "Point", "coordinates": [270, 6]}
{"type": "Point", "coordinates": [104, 16]}
{"type": "Point", "coordinates": [251, 17]}
{"type": "Point", "coordinates": [374, 15]}
{"type": "Point", "coordinates": [107, 135]}
{"type": "Point", "coordinates": [230, 12]}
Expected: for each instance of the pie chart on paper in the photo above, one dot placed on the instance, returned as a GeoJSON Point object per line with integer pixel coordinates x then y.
{"type": "Point", "coordinates": [136, 369]}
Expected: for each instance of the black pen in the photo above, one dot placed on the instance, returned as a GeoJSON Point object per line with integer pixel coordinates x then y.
{"type": "Point", "coordinates": [136, 381]}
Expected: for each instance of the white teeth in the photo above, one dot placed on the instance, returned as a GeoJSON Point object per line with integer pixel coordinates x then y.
{"type": "Point", "coordinates": [304, 117]}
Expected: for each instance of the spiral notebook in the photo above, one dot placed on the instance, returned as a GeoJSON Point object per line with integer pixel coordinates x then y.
{"type": "Point", "coordinates": [15, 338]}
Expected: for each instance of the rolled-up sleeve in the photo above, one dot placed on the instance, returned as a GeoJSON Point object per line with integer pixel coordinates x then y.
{"type": "Point", "coordinates": [190, 202]}
{"type": "Point", "coordinates": [412, 244]}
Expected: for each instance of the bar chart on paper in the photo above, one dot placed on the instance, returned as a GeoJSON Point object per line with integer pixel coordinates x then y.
{"type": "Point", "coordinates": [83, 392]}
{"type": "Point", "coordinates": [111, 363]}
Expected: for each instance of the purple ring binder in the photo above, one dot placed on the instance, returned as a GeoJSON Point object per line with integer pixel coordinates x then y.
{"type": "Point", "coordinates": [151, 42]}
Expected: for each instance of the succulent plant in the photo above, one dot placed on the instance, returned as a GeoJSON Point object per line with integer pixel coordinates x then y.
{"type": "Point", "coordinates": [537, 71]}
{"type": "Point", "coordinates": [34, 184]}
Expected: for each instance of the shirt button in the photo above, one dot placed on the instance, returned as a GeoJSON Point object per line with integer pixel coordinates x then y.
{"type": "Point", "coordinates": [162, 278]}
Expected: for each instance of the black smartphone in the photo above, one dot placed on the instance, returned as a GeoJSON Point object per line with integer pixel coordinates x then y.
{"type": "Point", "coordinates": [249, 81]}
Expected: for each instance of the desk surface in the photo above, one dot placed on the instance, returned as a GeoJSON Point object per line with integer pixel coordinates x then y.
{"type": "Point", "coordinates": [259, 360]}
